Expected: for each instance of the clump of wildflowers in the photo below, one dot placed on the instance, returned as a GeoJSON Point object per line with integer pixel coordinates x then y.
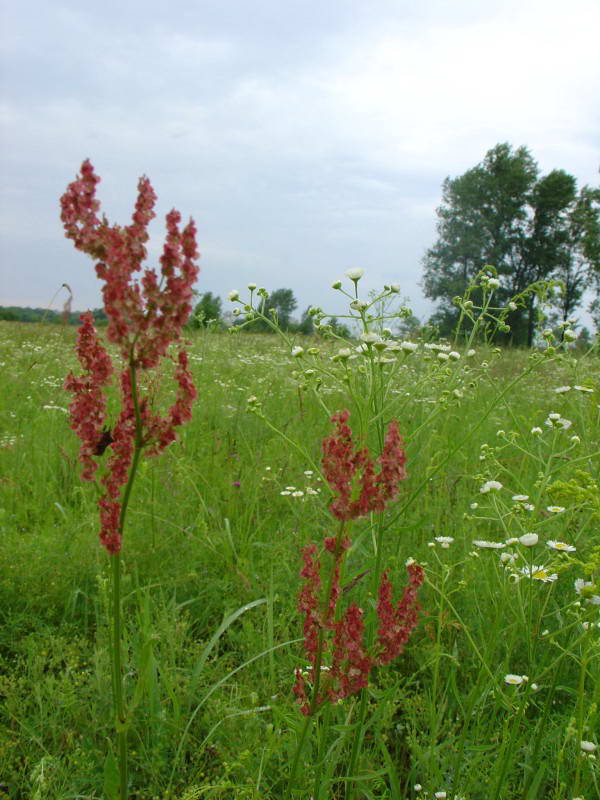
{"type": "Point", "coordinates": [360, 489]}
{"type": "Point", "coordinates": [145, 317]}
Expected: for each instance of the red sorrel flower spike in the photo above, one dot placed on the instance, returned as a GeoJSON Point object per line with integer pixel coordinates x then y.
{"type": "Point", "coordinates": [144, 318]}
{"type": "Point", "coordinates": [351, 472]}
{"type": "Point", "coordinates": [350, 666]}
{"type": "Point", "coordinates": [396, 623]}
{"type": "Point", "coordinates": [308, 603]}
{"type": "Point", "coordinates": [88, 408]}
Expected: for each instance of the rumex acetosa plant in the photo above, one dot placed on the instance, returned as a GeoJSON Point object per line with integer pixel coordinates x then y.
{"type": "Point", "coordinates": [145, 317]}
{"type": "Point", "coordinates": [361, 486]}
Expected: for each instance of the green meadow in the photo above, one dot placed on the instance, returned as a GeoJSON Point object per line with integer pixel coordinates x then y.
{"type": "Point", "coordinates": [496, 695]}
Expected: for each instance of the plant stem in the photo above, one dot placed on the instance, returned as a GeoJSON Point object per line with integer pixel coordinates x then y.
{"type": "Point", "coordinates": [121, 720]}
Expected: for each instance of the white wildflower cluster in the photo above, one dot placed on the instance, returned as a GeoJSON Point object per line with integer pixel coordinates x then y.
{"type": "Point", "coordinates": [556, 421]}
{"type": "Point", "coordinates": [490, 486]}
{"type": "Point", "coordinates": [585, 589]}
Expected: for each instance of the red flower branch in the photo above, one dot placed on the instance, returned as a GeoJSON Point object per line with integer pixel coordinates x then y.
{"type": "Point", "coordinates": [145, 317]}
{"type": "Point", "coordinates": [360, 488]}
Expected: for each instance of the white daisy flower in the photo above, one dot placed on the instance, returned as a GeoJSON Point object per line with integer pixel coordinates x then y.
{"type": "Point", "coordinates": [583, 389]}
{"type": "Point", "coordinates": [297, 351]}
{"type": "Point", "coordinates": [515, 680]}
{"type": "Point", "coordinates": [445, 541]}
{"type": "Point", "coordinates": [355, 274]}
{"type": "Point", "coordinates": [529, 539]}
{"type": "Point", "coordinates": [233, 295]}
{"type": "Point", "coordinates": [565, 548]}
{"type": "Point", "coordinates": [587, 747]}
{"type": "Point", "coordinates": [562, 389]}
{"type": "Point", "coordinates": [555, 509]}
{"type": "Point", "coordinates": [520, 498]}
{"type": "Point", "coordinates": [489, 485]}
{"type": "Point", "coordinates": [536, 431]}
{"type": "Point", "coordinates": [488, 545]}
{"type": "Point", "coordinates": [408, 347]}
{"type": "Point", "coordinates": [539, 573]}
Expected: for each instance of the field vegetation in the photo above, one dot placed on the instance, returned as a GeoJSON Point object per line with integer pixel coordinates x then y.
{"type": "Point", "coordinates": [497, 692]}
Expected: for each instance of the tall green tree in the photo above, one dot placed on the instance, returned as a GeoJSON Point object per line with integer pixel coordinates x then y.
{"type": "Point", "coordinates": [279, 306]}
{"type": "Point", "coordinates": [208, 309]}
{"type": "Point", "coordinates": [501, 212]}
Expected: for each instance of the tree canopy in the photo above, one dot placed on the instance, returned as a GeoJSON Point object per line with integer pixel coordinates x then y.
{"type": "Point", "coordinates": [530, 228]}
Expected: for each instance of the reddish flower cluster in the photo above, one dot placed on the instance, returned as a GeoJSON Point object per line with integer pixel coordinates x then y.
{"type": "Point", "coordinates": [351, 661]}
{"type": "Point", "coordinates": [342, 634]}
{"type": "Point", "coordinates": [144, 318]}
{"type": "Point", "coordinates": [351, 471]}
{"type": "Point", "coordinates": [396, 623]}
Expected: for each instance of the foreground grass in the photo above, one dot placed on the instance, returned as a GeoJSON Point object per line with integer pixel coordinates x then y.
{"type": "Point", "coordinates": [211, 581]}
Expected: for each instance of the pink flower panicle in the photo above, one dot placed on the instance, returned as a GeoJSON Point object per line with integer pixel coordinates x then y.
{"type": "Point", "coordinates": [351, 472]}
{"type": "Point", "coordinates": [351, 665]}
{"type": "Point", "coordinates": [144, 318]}
{"type": "Point", "coordinates": [88, 407]}
{"type": "Point", "coordinates": [360, 489]}
{"type": "Point", "coordinates": [396, 623]}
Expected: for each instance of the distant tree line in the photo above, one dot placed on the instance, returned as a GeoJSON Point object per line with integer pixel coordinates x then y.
{"type": "Point", "coordinates": [530, 228]}
{"type": "Point", "coordinates": [26, 314]}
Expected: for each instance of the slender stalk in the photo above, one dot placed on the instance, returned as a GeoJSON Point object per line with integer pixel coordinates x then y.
{"type": "Point", "coordinates": [120, 716]}
{"type": "Point", "coordinates": [317, 668]}
{"type": "Point", "coordinates": [121, 721]}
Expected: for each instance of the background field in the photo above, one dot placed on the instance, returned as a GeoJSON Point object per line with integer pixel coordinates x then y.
{"type": "Point", "coordinates": [211, 534]}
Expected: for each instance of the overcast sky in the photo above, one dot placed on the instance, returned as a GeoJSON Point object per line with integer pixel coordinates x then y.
{"type": "Point", "coordinates": [305, 137]}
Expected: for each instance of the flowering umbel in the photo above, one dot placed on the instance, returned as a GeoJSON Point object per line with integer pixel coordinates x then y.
{"type": "Point", "coordinates": [145, 317]}
{"type": "Point", "coordinates": [328, 630]}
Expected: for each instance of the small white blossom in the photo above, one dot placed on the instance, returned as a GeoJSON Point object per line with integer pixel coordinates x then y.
{"type": "Point", "coordinates": [515, 680]}
{"type": "Point", "coordinates": [493, 283]}
{"type": "Point", "coordinates": [359, 305]}
{"type": "Point", "coordinates": [536, 431]}
{"type": "Point", "coordinates": [580, 585]}
{"type": "Point", "coordinates": [251, 286]}
{"type": "Point", "coordinates": [370, 337]}
{"type": "Point", "coordinates": [512, 306]}
{"type": "Point", "coordinates": [562, 546]}
{"type": "Point", "coordinates": [489, 485]}
{"type": "Point", "coordinates": [587, 747]}
{"type": "Point", "coordinates": [529, 539]}
{"type": "Point", "coordinates": [445, 541]}
{"type": "Point", "coordinates": [569, 335]}
{"type": "Point", "coordinates": [562, 389]}
{"type": "Point", "coordinates": [520, 498]}
{"type": "Point", "coordinates": [234, 295]}
{"type": "Point", "coordinates": [555, 509]}
{"type": "Point", "coordinates": [473, 506]}
{"type": "Point", "coordinates": [454, 355]}
{"type": "Point", "coordinates": [355, 274]}
{"type": "Point", "coordinates": [297, 351]}
{"type": "Point", "coordinates": [408, 347]}
{"type": "Point", "coordinates": [443, 356]}
{"type": "Point", "coordinates": [507, 558]}
{"type": "Point", "coordinates": [470, 353]}
{"type": "Point", "coordinates": [488, 545]}
{"type": "Point", "coordinates": [539, 573]}
{"type": "Point", "coordinates": [583, 389]}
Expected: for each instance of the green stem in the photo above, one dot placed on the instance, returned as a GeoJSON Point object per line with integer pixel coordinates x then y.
{"type": "Point", "coordinates": [120, 717]}
{"type": "Point", "coordinates": [121, 721]}
{"type": "Point", "coordinates": [313, 709]}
